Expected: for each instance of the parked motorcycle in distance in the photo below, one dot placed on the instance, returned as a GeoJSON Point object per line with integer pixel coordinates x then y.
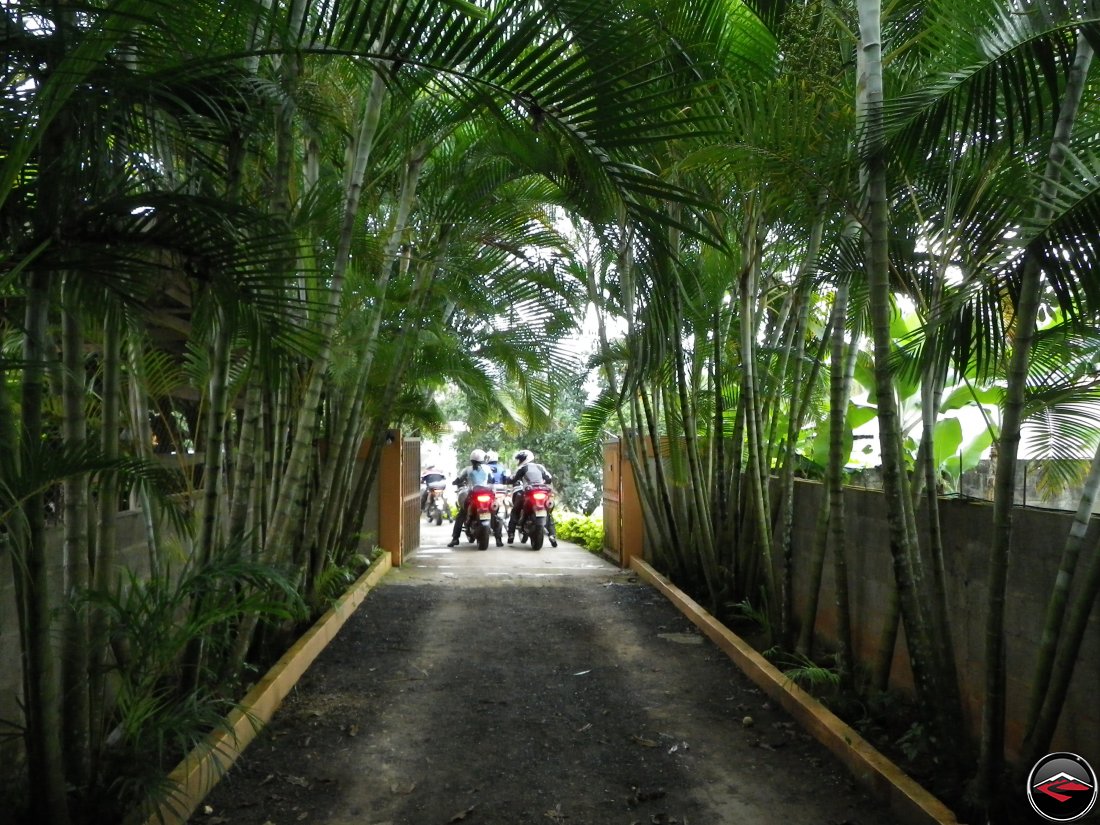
{"type": "Point", "coordinates": [481, 518]}
{"type": "Point", "coordinates": [537, 503]}
{"type": "Point", "coordinates": [437, 507]}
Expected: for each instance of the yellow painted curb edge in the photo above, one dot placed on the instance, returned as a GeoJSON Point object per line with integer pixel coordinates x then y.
{"type": "Point", "coordinates": [203, 768]}
{"type": "Point", "coordinates": [907, 799]}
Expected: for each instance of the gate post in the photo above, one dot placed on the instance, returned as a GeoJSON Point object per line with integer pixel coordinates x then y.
{"type": "Point", "coordinates": [389, 498]}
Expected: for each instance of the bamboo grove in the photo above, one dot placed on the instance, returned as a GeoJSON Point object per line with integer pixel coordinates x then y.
{"type": "Point", "coordinates": [357, 203]}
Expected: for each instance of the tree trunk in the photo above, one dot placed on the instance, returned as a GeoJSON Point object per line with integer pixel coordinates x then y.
{"type": "Point", "coordinates": [244, 489]}
{"type": "Point", "coordinates": [1059, 597]}
{"type": "Point", "coordinates": [43, 699]}
{"type": "Point", "coordinates": [991, 757]}
{"type": "Point", "coordinates": [74, 428]}
{"type": "Point", "coordinates": [758, 504]}
{"type": "Point", "coordinates": [840, 385]}
{"type": "Point", "coordinates": [1069, 642]}
{"type": "Point", "coordinates": [103, 568]}
{"type": "Point", "coordinates": [893, 469]}
{"type": "Point", "coordinates": [291, 502]}
{"type": "Point", "coordinates": [347, 433]}
{"type": "Point", "coordinates": [215, 430]}
{"type": "Point", "coordinates": [143, 447]}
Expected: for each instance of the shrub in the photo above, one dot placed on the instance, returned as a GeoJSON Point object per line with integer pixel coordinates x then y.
{"type": "Point", "coordinates": [582, 530]}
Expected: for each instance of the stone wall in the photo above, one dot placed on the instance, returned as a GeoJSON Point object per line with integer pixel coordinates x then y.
{"type": "Point", "coordinates": [1038, 538]}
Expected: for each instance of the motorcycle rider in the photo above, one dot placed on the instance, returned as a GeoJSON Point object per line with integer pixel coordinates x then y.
{"type": "Point", "coordinates": [497, 473]}
{"type": "Point", "coordinates": [529, 471]}
{"type": "Point", "coordinates": [498, 480]}
{"type": "Point", "coordinates": [476, 475]}
{"type": "Point", "coordinates": [430, 476]}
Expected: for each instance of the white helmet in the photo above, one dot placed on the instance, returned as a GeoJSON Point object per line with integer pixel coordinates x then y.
{"type": "Point", "coordinates": [491, 456]}
{"type": "Point", "coordinates": [523, 456]}
{"type": "Point", "coordinates": [477, 456]}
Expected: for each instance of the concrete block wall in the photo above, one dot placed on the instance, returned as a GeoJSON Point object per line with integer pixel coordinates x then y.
{"type": "Point", "coordinates": [133, 554]}
{"type": "Point", "coordinates": [1038, 538]}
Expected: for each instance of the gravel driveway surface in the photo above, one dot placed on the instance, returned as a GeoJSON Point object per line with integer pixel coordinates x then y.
{"type": "Point", "coordinates": [510, 686]}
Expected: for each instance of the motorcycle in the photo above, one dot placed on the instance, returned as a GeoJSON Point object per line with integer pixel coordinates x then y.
{"type": "Point", "coordinates": [481, 516]}
{"type": "Point", "coordinates": [436, 506]}
{"type": "Point", "coordinates": [536, 503]}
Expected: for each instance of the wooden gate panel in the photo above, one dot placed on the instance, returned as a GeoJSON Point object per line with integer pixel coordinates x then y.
{"type": "Point", "coordinates": [623, 525]}
{"type": "Point", "coordinates": [612, 512]}
{"type": "Point", "coordinates": [410, 496]}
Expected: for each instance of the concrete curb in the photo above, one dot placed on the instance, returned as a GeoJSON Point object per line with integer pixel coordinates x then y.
{"type": "Point", "coordinates": [203, 768]}
{"type": "Point", "coordinates": [908, 800]}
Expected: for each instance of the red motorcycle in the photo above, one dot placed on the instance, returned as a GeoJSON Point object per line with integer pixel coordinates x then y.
{"type": "Point", "coordinates": [481, 517]}
{"type": "Point", "coordinates": [537, 503]}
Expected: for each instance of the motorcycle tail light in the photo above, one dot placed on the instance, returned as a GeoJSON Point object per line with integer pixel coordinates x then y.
{"type": "Point", "coordinates": [539, 497]}
{"type": "Point", "coordinates": [483, 498]}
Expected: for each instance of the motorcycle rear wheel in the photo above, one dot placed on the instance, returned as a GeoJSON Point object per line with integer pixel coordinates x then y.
{"type": "Point", "coordinates": [481, 533]}
{"type": "Point", "coordinates": [538, 534]}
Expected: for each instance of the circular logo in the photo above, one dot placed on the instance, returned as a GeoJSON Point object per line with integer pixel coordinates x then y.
{"type": "Point", "coordinates": [1062, 787]}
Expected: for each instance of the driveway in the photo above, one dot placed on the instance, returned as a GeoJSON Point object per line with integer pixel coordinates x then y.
{"type": "Point", "coordinates": [510, 686]}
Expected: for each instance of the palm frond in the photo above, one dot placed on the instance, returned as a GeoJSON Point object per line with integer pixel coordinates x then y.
{"type": "Point", "coordinates": [1001, 77]}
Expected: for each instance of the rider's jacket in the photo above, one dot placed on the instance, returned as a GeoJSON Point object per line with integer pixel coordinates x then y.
{"type": "Point", "coordinates": [476, 475]}
{"type": "Point", "coordinates": [532, 473]}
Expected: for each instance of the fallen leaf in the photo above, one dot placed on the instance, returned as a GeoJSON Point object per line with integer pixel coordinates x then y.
{"type": "Point", "coordinates": [404, 790]}
{"type": "Point", "coordinates": [645, 743]}
{"type": "Point", "coordinates": [300, 781]}
{"type": "Point", "coordinates": [682, 638]}
{"type": "Point", "coordinates": [353, 730]}
{"type": "Point", "coordinates": [459, 817]}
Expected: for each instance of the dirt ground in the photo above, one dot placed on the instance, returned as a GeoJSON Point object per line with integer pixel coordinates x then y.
{"type": "Point", "coordinates": [508, 687]}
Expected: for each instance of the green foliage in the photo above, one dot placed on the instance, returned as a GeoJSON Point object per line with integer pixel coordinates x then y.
{"type": "Point", "coordinates": [152, 624]}
{"type": "Point", "coordinates": [335, 579]}
{"type": "Point", "coordinates": [915, 742]}
{"type": "Point", "coordinates": [583, 530]}
{"type": "Point", "coordinates": [745, 611]}
{"type": "Point", "coordinates": [804, 671]}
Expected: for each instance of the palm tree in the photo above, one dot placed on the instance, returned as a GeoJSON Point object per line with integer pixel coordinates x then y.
{"type": "Point", "coordinates": [946, 108]}
{"type": "Point", "coordinates": [185, 186]}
